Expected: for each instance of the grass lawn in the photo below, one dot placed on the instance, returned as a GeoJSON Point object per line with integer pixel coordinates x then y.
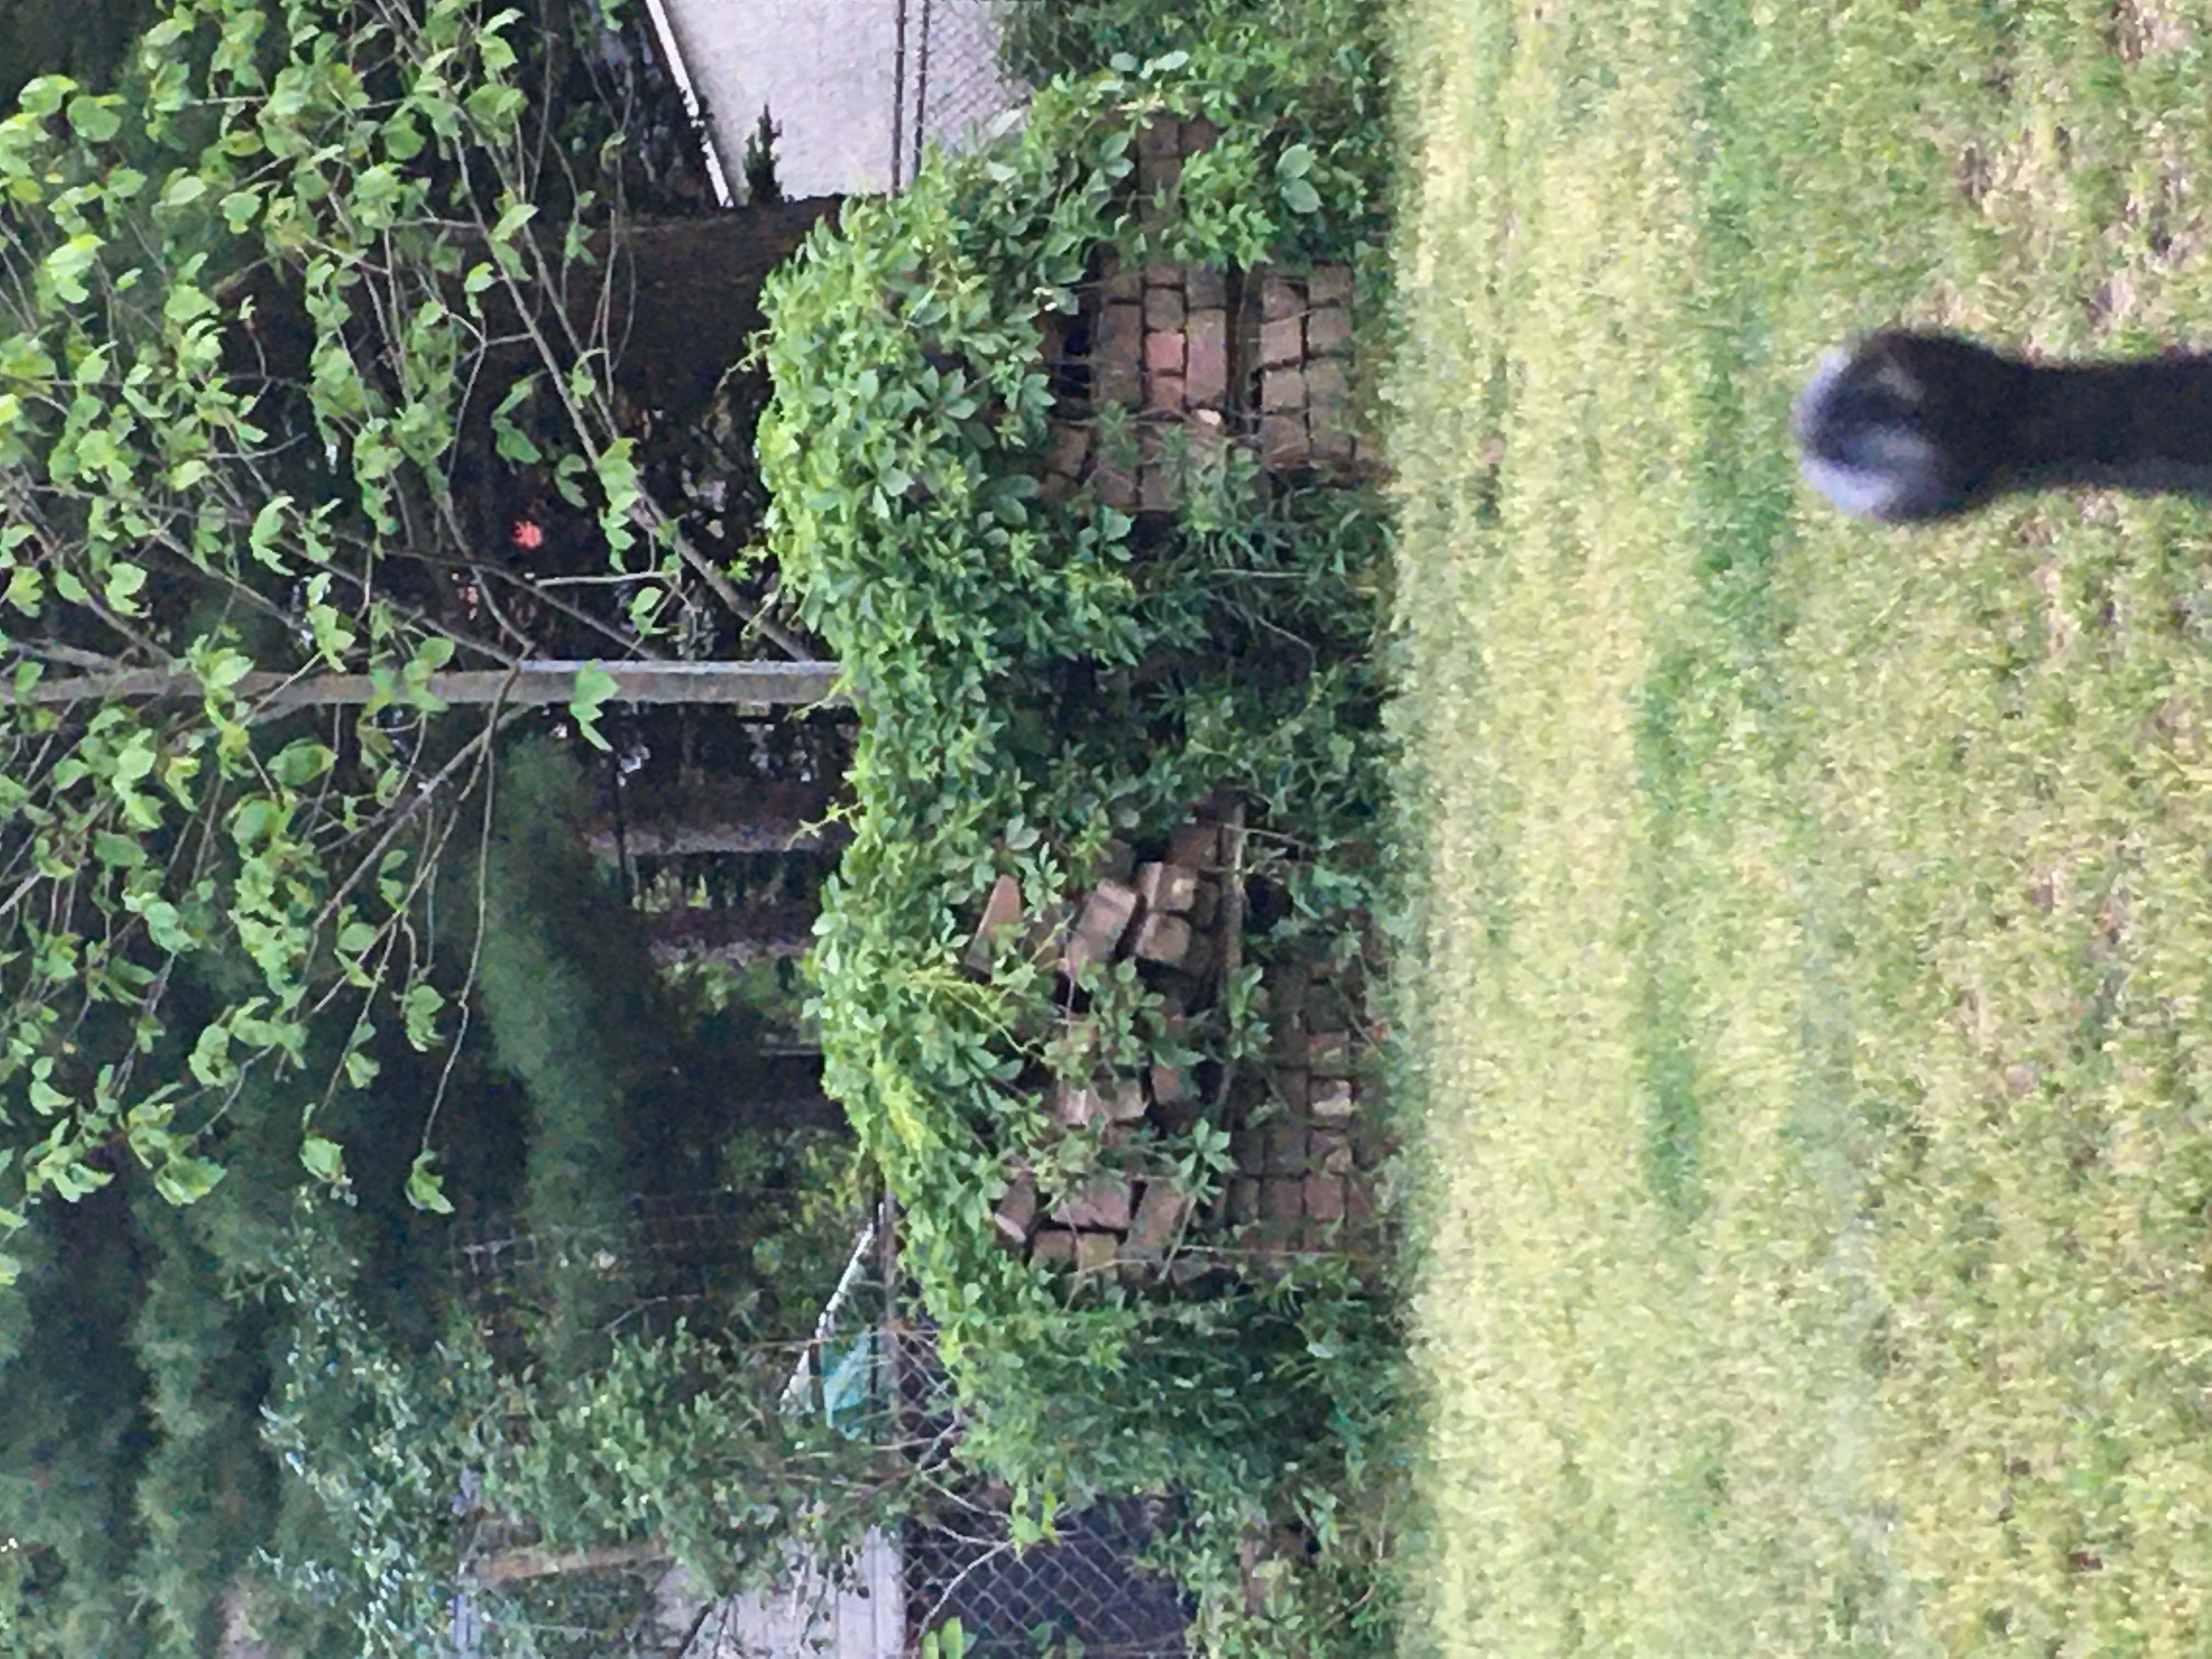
{"type": "Point", "coordinates": [1810, 1004]}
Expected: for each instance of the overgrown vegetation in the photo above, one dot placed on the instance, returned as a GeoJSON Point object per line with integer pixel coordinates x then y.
{"type": "Point", "coordinates": [1808, 990]}
{"type": "Point", "coordinates": [1038, 678]}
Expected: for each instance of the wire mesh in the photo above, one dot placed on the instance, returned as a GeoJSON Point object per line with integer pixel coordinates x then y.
{"type": "Point", "coordinates": [869, 1365]}
{"type": "Point", "coordinates": [950, 85]}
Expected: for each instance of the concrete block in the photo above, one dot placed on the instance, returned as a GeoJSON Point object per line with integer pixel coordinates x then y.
{"type": "Point", "coordinates": [1249, 1146]}
{"type": "Point", "coordinates": [1076, 1105]}
{"type": "Point", "coordinates": [1287, 1146]}
{"type": "Point", "coordinates": [1126, 1103]}
{"type": "Point", "coordinates": [1331, 1151]}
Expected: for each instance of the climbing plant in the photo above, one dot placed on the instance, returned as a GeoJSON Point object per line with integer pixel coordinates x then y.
{"type": "Point", "coordinates": [261, 297]}
{"type": "Point", "coordinates": [1037, 676]}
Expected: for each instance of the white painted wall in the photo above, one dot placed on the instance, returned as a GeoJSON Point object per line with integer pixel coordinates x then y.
{"type": "Point", "coordinates": [829, 71]}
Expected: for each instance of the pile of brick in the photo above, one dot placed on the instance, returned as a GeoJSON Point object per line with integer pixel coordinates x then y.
{"type": "Point", "coordinates": [1306, 1145]}
{"type": "Point", "coordinates": [1199, 357]}
{"type": "Point", "coordinates": [1307, 1155]}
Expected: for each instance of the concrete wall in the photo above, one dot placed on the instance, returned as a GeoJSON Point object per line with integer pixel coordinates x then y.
{"type": "Point", "coordinates": [829, 71]}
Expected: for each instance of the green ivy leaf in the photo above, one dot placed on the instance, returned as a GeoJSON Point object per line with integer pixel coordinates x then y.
{"type": "Point", "coordinates": [594, 687]}
{"type": "Point", "coordinates": [425, 1189]}
{"type": "Point", "coordinates": [324, 1159]}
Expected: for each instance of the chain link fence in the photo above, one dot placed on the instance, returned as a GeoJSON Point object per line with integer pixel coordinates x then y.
{"type": "Point", "coordinates": [869, 1365]}
{"type": "Point", "coordinates": [950, 85]}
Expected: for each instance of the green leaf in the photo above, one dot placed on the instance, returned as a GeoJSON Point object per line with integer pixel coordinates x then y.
{"type": "Point", "coordinates": [123, 583]}
{"type": "Point", "coordinates": [426, 1190]}
{"type": "Point", "coordinates": [419, 1009]}
{"type": "Point", "coordinates": [301, 763]}
{"type": "Point", "coordinates": [1300, 197]}
{"type": "Point", "coordinates": [95, 119]}
{"type": "Point", "coordinates": [325, 1159]}
{"type": "Point", "coordinates": [594, 686]}
{"type": "Point", "coordinates": [184, 1180]}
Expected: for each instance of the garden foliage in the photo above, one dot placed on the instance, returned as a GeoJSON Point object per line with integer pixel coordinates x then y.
{"type": "Point", "coordinates": [1036, 677]}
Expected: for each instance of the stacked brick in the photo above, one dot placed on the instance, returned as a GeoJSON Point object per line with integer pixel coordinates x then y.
{"type": "Point", "coordinates": [1199, 356]}
{"type": "Point", "coordinates": [1307, 1158]}
{"type": "Point", "coordinates": [1305, 380]}
{"type": "Point", "coordinates": [1308, 1141]}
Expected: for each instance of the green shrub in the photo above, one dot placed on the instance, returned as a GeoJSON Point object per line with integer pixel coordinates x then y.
{"type": "Point", "coordinates": [1034, 678]}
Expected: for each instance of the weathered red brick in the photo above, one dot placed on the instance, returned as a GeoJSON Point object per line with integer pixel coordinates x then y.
{"type": "Point", "coordinates": [1165, 394]}
{"type": "Point", "coordinates": [1326, 384]}
{"type": "Point", "coordinates": [1287, 1143]}
{"type": "Point", "coordinates": [1095, 1252]}
{"type": "Point", "coordinates": [1282, 441]}
{"type": "Point", "coordinates": [1125, 1104]}
{"type": "Point", "coordinates": [1158, 1221]}
{"type": "Point", "coordinates": [1166, 886]}
{"type": "Point", "coordinates": [1054, 1248]}
{"type": "Point", "coordinates": [1280, 298]}
{"type": "Point", "coordinates": [1102, 1201]}
{"type": "Point", "coordinates": [1002, 914]}
{"type": "Point", "coordinates": [1324, 1196]}
{"type": "Point", "coordinates": [1282, 391]}
{"type": "Point", "coordinates": [1328, 332]}
{"type": "Point", "coordinates": [1329, 1054]}
{"type": "Point", "coordinates": [1282, 342]}
{"type": "Point", "coordinates": [1204, 285]}
{"type": "Point", "coordinates": [1106, 916]}
{"type": "Point", "coordinates": [1206, 357]}
{"type": "Point", "coordinates": [1016, 1211]}
{"type": "Point", "coordinates": [1163, 939]}
{"type": "Point", "coordinates": [1163, 307]}
{"type": "Point", "coordinates": [1164, 351]}
{"type": "Point", "coordinates": [1329, 285]}
{"type": "Point", "coordinates": [1331, 1098]}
